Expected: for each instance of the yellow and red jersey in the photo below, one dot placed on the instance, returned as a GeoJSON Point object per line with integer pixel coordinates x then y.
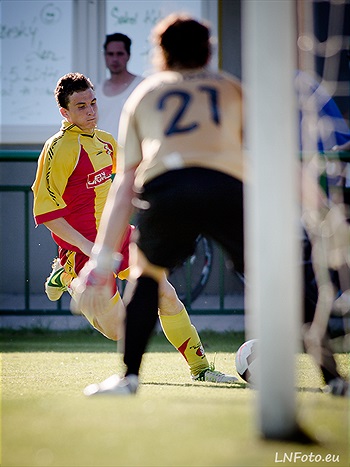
{"type": "Point", "coordinates": [73, 178]}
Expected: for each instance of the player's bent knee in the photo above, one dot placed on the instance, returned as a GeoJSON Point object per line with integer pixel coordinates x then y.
{"type": "Point", "coordinates": [110, 331]}
{"type": "Point", "coordinates": [110, 323]}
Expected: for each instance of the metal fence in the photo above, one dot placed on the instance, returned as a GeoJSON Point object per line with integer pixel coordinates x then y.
{"type": "Point", "coordinates": [218, 293]}
{"type": "Point", "coordinates": [205, 274]}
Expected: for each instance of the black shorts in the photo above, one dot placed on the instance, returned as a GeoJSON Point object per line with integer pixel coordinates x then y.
{"type": "Point", "coordinates": [181, 204]}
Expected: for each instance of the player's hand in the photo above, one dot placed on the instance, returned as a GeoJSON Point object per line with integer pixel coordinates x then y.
{"type": "Point", "coordinates": [95, 285]}
{"type": "Point", "coordinates": [92, 290]}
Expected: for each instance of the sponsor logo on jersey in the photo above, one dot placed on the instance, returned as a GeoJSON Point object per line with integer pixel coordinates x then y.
{"type": "Point", "coordinates": [98, 178]}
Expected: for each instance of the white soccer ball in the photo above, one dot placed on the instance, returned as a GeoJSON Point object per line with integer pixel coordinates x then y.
{"type": "Point", "coordinates": [246, 361]}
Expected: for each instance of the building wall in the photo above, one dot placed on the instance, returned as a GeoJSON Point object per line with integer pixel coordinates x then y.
{"type": "Point", "coordinates": [41, 247]}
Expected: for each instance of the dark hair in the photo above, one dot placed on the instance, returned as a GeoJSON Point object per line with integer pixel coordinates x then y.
{"type": "Point", "coordinates": [68, 85]}
{"type": "Point", "coordinates": [184, 41]}
{"type": "Point", "coordinates": [118, 37]}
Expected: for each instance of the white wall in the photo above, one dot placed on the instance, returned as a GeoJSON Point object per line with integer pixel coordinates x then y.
{"type": "Point", "coordinates": [42, 40]}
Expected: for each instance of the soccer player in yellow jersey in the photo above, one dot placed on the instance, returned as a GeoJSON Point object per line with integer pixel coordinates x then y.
{"type": "Point", "coordinates": [181, 157]}
{"type": "Point", "coordinates": [73, 179]}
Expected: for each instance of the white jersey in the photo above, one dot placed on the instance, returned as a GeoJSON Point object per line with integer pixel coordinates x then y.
{"type": "Point", "coordinates": [110, 107]}
{"type": "Point", "coordinates": [182, 119]}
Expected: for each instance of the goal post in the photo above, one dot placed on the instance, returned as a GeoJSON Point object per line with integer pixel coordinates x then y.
{"type": "Point", "coordinates": [273, 291]}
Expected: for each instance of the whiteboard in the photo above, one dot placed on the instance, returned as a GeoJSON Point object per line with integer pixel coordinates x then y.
{"type": "Point", "coordinates": [41, 40]}
{"type": "Point", "coordinates": [36, 50]}
{"type": "Point", "coordinates": [136, 18]}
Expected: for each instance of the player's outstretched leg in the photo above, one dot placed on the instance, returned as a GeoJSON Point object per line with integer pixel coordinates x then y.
{"type": "Point", "coordinates": [181, 333]}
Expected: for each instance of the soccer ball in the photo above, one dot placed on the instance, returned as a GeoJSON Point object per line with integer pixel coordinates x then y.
{"type": "Point", "coordinates": [246, 361]}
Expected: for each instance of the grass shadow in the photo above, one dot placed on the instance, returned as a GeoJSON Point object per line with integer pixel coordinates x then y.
{"type": "Point", "coordinates": [89, 340]}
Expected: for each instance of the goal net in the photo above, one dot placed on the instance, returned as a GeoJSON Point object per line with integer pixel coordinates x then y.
{"type": "Point", "coordinates": [293, 53]}
{"type": "Point", "coordinates": [322, 85]}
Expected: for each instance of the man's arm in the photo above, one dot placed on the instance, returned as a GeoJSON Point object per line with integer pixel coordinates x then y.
{"type": "Point", "coordinates": [62, 229]}
{"type": "Point", "coordinates": [116, 215]}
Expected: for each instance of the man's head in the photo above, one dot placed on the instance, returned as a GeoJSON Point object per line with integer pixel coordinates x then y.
{"type": "Point", "coordinates": [118, 37]}
{"type": "Point", "coordinates": [69, 84]}
{"type": "Point", "coordinates": [76, 99]}
{"type": "Point", "coordinates": [117, 52]}
{"type": "Point", "coordinates": [182, 42]}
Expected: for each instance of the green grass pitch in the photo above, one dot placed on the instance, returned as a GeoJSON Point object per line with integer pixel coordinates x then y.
{"type": "Point", "coordinates": [47, 421]}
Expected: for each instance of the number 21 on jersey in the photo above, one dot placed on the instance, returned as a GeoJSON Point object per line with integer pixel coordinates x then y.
{"type": "Point", "coordinates": [185, 99]}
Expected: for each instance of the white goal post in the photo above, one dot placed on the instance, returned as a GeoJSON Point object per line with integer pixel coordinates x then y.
{"type": "Point", "coordinates": [273, 292]}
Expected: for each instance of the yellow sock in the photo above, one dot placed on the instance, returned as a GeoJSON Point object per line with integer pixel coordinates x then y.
{"type": "Point", "coordinates": [181, 333]}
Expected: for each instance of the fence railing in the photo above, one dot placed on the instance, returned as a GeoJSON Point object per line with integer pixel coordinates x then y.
{"type": "Point", "coordinates": [203, 304]}
{"type": "Point", "coordinates": [25, 303]}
